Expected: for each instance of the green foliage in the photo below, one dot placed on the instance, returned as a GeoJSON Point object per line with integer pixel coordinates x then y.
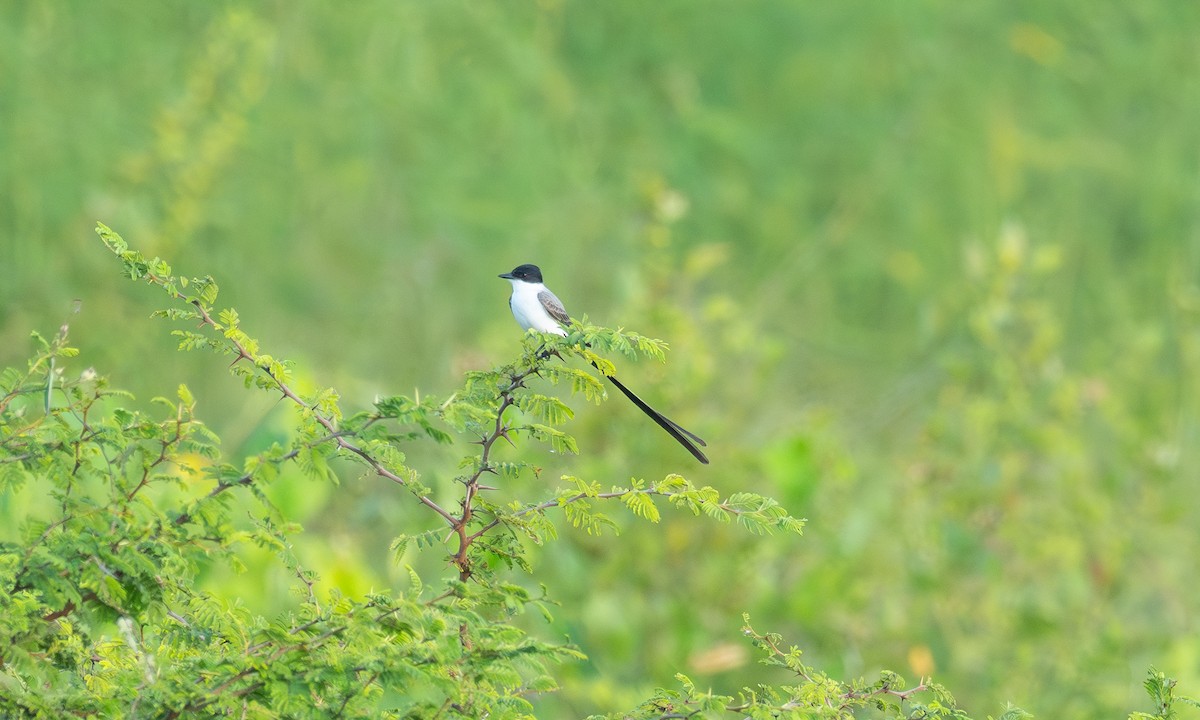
{"type": "Point", "coordinates": [812, 695]}
{"type": "Point", "coordinates": [103, 615]}
{"type": "Point", "coordinates": [102, 612]}
{"type": "Point", "coordinates": [1162, 693]}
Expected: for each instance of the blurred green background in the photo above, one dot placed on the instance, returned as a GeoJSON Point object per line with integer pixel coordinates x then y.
{"type": "Point", "coordinates": [929, 271]}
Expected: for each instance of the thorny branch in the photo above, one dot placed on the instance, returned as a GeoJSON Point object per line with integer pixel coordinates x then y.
{"type": "Point", "coordinates": [499, 430]}
{"type": "Point", "coordinates": [459, 523]}
{"type": "Point", "coordinates": [244, 354]}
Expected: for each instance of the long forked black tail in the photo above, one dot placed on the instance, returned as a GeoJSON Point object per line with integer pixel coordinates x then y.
{"type": "Point", "coordinates": [683, 437]}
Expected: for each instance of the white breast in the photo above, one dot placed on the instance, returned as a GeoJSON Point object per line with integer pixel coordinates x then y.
{"type": "Point", "coordinates": [528, 310]}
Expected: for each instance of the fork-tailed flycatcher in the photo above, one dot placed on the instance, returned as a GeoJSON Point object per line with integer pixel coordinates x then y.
{"type": "Point", "coordinates": [534, 306]}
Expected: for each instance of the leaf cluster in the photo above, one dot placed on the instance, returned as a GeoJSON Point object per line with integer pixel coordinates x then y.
{"type": "Point", "coordinates": [102, 615]}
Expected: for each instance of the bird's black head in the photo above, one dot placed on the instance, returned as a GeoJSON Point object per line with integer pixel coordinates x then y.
{"type": "Point", "coordinates": [528, 273]}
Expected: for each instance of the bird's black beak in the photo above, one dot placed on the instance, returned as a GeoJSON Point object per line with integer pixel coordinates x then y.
{"type": "Point", "coordinates": [506, 276]}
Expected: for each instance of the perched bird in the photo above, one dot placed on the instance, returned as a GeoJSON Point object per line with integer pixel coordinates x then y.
{"type": "Point", "coordinates": [535, 307]}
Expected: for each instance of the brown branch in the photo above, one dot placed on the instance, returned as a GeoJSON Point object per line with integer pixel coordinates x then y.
{"type": "Point", "coordinates": [327, 423]}
{"type": "Point", "coordinates": [164, 446]}
{"type": "Point", "coordinates": [467, 504]}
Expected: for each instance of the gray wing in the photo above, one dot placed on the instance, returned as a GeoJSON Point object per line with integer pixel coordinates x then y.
{"type": "Point", "coordinates": [554, 306]}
